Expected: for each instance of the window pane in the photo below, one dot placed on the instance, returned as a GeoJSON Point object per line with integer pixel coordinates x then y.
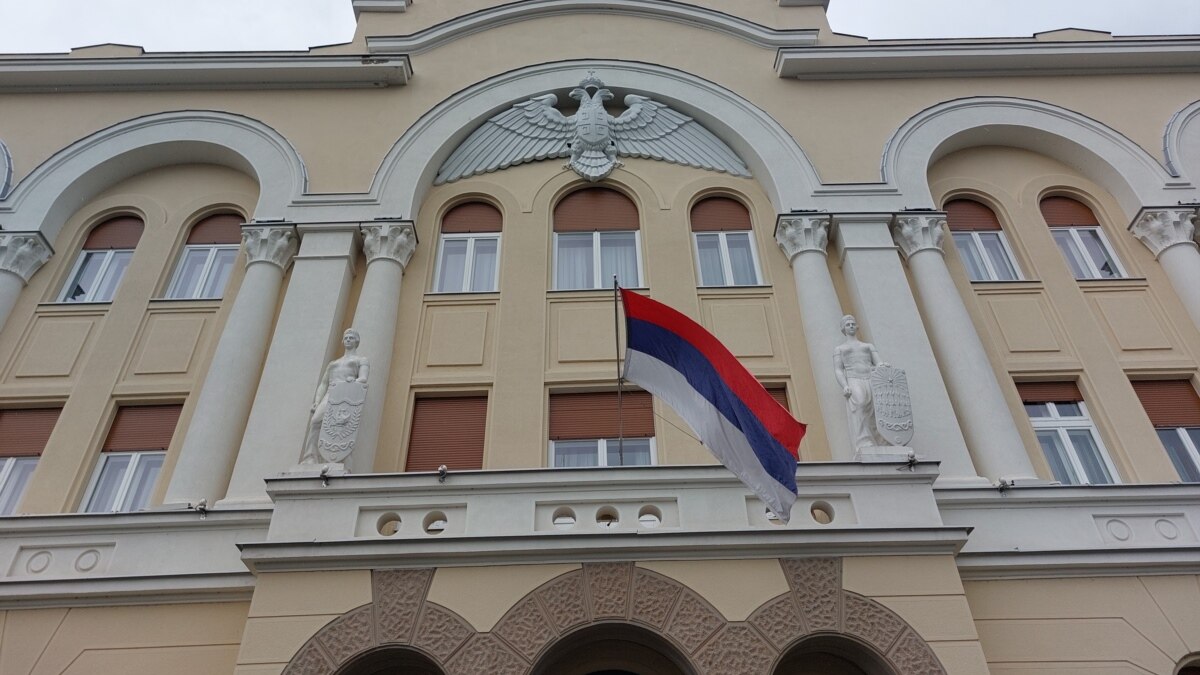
{"type": "Point", "coordinates": [454, 266]}
{"type": "Point", "coordinates": [998, 256]}
{"type": "Point", "coordinates": [107, 287]}
{"type": "Point", "coordinates": [967, 250]}
{"type": "Point", "coordinates": [483, 272]}
{"type": "Point", "coordinates": [571, 454]}
{"type": "Point", "coordinates": [1099, 254]}
{"type": "Point", "coordinates": [1089, 456]}
{"type": "Point", "coordinates": [1056, 457]}
{"type": "Point", "coordinates": [741, 259]}
{"type": "Point", "coordinates": [85, 279]}
{"type": "Point", "coordinates": [574, 258]}
{"type": "Point", "coordinates": [631, 452]}
{"type": "Point", "coordinates": [1072, 253]}
{"type": "Point", "coordinates": [14, 486]}
{"type": "Point", "coordinates": [1177, 451]}
{"type": "Point", "coordinates": [708, 249]}
{"type": "Point", "coordinates": [1068, 409]}
{"type": "Point", "coordinates": [149, 464]}
{"type": "Point", "coordinates": [112, 471]}
{"type": "Point", "coordinates": [1037, 409]}
{"type": "Point", "coordinates": [618, 255]}
{"type": "Point", "coordinates": [218, 274]}
{"type": "Point", "coordinates": [188, 277]}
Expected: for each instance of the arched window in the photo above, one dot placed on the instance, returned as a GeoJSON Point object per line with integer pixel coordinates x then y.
{"type": "Point", "coordinates": [596, 237]}
{"type": "Point", "coordinates": [102, 262]}
{"type": "Point", "coordinates": [208, 257]}
{"type": "Point", "coordinates": [1080, 238]}
{"type": "Point", "coordinates": [725, 254]}
{"type": "Point", "coordinates": [980, 241]}
{"type": "Point", "coordinates": [469, 250]}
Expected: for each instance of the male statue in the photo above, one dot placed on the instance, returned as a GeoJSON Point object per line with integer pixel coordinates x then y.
{"type": "Point", "coordinates": [349, 368]}
{"type": "Point", "coordinates": [853, 361]}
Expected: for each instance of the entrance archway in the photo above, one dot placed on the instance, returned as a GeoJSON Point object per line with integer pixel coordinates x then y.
{"type": "Point", "coordinates": [832, 655]}
{"type": "Point", "coordinates": [613, 649]}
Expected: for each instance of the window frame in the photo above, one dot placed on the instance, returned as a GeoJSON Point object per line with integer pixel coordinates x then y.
{"type": "Point", "coordinates": [596, 237]}
{"type": "Point", "coordinates": [204, 272]}
{"type": "Point", "coordinates": [469, 266]}
{"type": "Point", "coordinates": [1191, 448]}
{"type": "Point", "coordinates": [1061, 425]}
{"type": "Point", "coordinates": [981, 252]}
{"type": "Point", "coordinates": [89, 296]}
{"type": "Point", "coordinates": [122, 492]}
{"type": "Point", "coordinates": [726, 261]}
{"type": "Point", "coordinates": [1092, 270]}
{"type": "Point", "coordinates": [602, 452]}
{"type": "Point", "coordinates": [7, 466]}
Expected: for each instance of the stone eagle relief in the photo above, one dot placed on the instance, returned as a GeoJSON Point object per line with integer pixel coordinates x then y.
{"type": "Point", "coordinates": [593, 139]}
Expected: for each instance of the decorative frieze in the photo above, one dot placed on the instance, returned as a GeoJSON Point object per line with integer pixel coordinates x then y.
{"type": "Point", "coordinates": [23, 253]}
{"type": "Point", "coordinates": [919, 232]}
{"type": "Point", "coordinates": [275, 244]}
{"type": "Point", "coordinates": [392, 240]}
{"type": "Point", "coordinates": [796, 234]}
{"type": "Point", "coordinates": [1162, 228]}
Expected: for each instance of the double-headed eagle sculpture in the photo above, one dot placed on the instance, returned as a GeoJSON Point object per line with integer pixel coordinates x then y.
{"type": "Point", "coordinates": [593, 139]}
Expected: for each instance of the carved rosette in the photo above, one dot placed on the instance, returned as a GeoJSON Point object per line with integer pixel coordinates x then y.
{"type": "Point", "coordinates": [1160, 229]}
{"type": "Point", "coordinates": [275, 244]}
{"type": "Point", "coordinates": [23, 253]}
{"type": "Point", "coordinates": [915, 233]}
{"type": "Point", "coordinates": [393, 241]}
{"type": "Point", "coordinates": [796, 234]}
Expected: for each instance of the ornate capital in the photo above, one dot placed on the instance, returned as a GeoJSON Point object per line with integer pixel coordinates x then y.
{"type": "Point", "coordinates": [1160, 229]}
{"type": "Point", "coordinates": [23, 253]}
{"type": "Point", "coordinates": [918, 232]}
{"type": "Point", "coordinates": [394, 241]}
{"type": "Point", "coordinates": [275, 244]}
{"type": "Point", "coordinates": [796, 234]}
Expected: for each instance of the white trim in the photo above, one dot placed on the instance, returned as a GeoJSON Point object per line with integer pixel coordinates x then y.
{"type": "Point", "coordinates": [726, 262]}
{"type": "Point", "coordinates": [1061, 425]}
{"type": "Point", "coordinates": [469, 265]}
{"type": "Point", "coordinates": [361, 6]}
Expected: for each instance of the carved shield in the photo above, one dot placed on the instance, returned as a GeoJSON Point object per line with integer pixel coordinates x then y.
{"type": "Point", "coordinates": [893, 408]}
{"type": "Point", "coordinates": [339, 427]}
{"type": "Point", "coordinates": [591, 124]}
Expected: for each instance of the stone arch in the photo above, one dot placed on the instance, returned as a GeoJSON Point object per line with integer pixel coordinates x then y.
{"type": "Point", "coordinates": [1181, 142]}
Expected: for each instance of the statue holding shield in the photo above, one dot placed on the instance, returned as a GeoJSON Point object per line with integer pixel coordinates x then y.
{"type": "Point", "coordinates": [337, 406]}
{"type": "Point", "coordinates": [878, 407]}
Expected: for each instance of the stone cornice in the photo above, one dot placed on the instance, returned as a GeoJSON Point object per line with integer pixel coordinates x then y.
{"type": "Point", "coordinates": [1160, 228]}
{"type": "Point", "coordinates": [23, 253]}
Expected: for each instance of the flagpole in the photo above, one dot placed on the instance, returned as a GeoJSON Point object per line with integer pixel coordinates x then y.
{"type": "Point", "coordinates": [617, 342]}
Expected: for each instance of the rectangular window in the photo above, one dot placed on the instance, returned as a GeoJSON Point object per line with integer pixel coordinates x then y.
{"type": "Point", "coordinates": [586, 430]}
{"type": "Point", "coordinates": [1066, 434]}
{"type": "Point", "coordinates": [1087, 252]}
{"type": "Point", "coordinates": [986, 256]}
{"type": "Point", "coordinates": [23, 436]}
{"type": "Point", "coordinates": [468, 263]}
{"type": "Point", "coordinates": [726, 259]}
{"type": "Point", "coordinates": [1174, 410]}
{"type": "Point", "coordinates": [603, 452]}
{"type": "Point", "coordinates": [97, 275]}
{"type": "Point", "coordinates": [203, 271]}
{"type": "Point", "coordinates": [132, 458]}
{"type": "Point", "coordinates": [587, 260]}
{"type": "Point", "coordinates": [448, 430]}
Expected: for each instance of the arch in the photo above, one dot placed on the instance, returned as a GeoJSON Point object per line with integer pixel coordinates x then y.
{"type": "Point", "coordinates": [5, 169]}
{"type": "Point", "coordinates": [1099, 152]}
{"type": "Point", "coordinates": [831, 655]}
{"type": "Point", "coordinates": [612, 647]}
{"type": "Point", "coordinates": [388, 660]}
{"type": "Point", "coordinates": [45, 198]}
{"type": "Point", "coordinates": [1181, 142]}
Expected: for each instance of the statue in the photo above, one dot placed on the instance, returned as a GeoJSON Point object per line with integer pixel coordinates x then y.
{"type": "Point", "coordinates": [854, 362]}
{"type": "Point", "coordinates": [337, 407]}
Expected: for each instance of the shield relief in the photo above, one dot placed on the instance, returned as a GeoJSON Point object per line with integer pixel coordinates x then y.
{"type": "Point", "coordinates": [893, 407]}
{"type": "Point", "coordinates": [339, 427]}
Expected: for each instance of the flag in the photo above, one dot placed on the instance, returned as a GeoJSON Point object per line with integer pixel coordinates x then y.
{"type": "Point", "coordinates": [678, 361]}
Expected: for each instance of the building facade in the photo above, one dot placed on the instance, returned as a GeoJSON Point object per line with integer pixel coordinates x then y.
{"type": "Point", "coordinates": [185, 239]}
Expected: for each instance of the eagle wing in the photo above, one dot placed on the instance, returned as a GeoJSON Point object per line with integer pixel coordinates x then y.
{"type": "Point", "coordinates": [650, 129]}
{"type": "Point", "coordinates": [526, 132]}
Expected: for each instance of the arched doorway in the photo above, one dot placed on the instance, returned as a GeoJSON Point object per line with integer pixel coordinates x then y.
{"type": "Point", "coordinates": [613, 649]}
{"type": "Point", "coordinates": [390, 660]}
{"type": "Point", "coordinates": [831, 655]}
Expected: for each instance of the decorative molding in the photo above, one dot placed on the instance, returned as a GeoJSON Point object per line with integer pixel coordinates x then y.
{"type": "Point", "coordinates": [919, 232]}
{"type": "Point", "coordinates": [361, 6]}
{"type": "Point", "coordinates": [5, 169]}
{"type": "Point", "coordinates": [796, 234]}
{"type": "Point", "coordinates": [274, 244]}
{"type": "Point", "coordinates": [1161, 228]}
{"type": "Point", "coordinates": [395, 241]}
{"type": "Point", "coordinates": [23, 253]}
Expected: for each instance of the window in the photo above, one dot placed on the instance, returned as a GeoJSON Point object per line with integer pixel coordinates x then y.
{"type": "Point", "coordinates": [1080, 238]}
{"type": "Point", "coordinates": [980, 241]}
{"type": "Point", "coordinates": [131, 458]}
{"type": "Point", "coordinates": [208, 257]}
{"type": "Point", "coordinates": [585, 430]}
{"type": "Point", "coordinates": [102, 262]}
{"type": "Point", "coordinates": [447, 431]}
{"type": "Point", "coordinates": [23, 436]}
{"type": "Point", "coordinates": [725, 254]}
{"type": "Point", "coordinates": [596, 237]}
{"type": "Point", "coordinates": [469, 250]}
{"type": "Point", "coordinates": [1174, 410]}
{"type": "Point", "coordinates": [1066, 433]}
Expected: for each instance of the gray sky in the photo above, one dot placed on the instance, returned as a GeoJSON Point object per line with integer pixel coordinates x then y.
{"type": "Point", "coordinates": [28, 26]}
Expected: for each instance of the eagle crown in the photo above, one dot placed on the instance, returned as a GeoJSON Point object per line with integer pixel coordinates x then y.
{"type": "Point", "coordinates": [581, 94]}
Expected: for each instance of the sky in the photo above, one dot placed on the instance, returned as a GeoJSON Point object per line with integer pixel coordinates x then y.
{"type": "Point", "coordinates": [29, 26]}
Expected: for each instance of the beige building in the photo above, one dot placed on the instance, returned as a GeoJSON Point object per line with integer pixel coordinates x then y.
{"type": "Point", "coordinates": [184, 238]}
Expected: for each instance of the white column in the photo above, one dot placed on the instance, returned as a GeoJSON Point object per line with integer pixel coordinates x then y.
{"type": "Point", "coordinates": [885, 305]}
{"type": "Point", "coordinates": [804, 239]}
{"type": "Point", "coordinates": [21, 254]}
{"type": "Point", "coordinates": [388, 246]}
{"type": "Point", "coordinates": [219, 418]}
{"type": "Point", "coordinates": [986, 420]}
{"type": "Point", "coordinates": [1168, 233]}
{"type": "Point", "coordinates": [308, 329]}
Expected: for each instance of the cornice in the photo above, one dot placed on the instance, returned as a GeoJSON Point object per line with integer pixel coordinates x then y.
{"type": "Point", "coordinates": [361, 6]}
{"type": "Point", "coordinates": [988, 60]}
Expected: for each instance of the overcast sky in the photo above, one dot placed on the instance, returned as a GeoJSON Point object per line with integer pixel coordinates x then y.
{"type": "Point", "coordinates": [28, 26]}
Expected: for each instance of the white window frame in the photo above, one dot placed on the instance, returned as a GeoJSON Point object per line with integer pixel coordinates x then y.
{"type": "Point", "coordinates": [104, 265]}
{"type": "Point", "coordinates": [7, 464]}
{"type": "Point", "coordinates": [977, 242]}
{"type": "Point", "coordinates": [203, 281]}
{"type": "Point", "coordinates": [1092, 270]}
{"type": "Point", "coordinates": [122, 494]}
{"type": "Point", "coordinates": [1062, 424]}
{"type": "Point", "coordinates": [602, 449]}
{"type": "Point", "coordinates": [1190, 447]}
{"type": "Point", "coordinates": [726, 262]}
{"type": "Point", "coordinates": [597, 282]}
{"type": "Point", "coordinates": [469, 266]}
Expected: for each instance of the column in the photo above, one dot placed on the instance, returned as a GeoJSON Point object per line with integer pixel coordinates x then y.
{"type": "Point", "coordinates": [986, 420]}
{"type": "Point", "coordinates": [21, 254]}
{"type": "Point", "coordinates": [885, 305]}
{"type": "Point", "coordinates": [804, 239]}
{"type": "Point", "coordinates": [1168, 232]}
{"type": "Point", "coordinates": [224, 400]}
{"type": "Point", "coordinates": [308, 330]}
{"type": "Point", "coordinates": [388, 246]}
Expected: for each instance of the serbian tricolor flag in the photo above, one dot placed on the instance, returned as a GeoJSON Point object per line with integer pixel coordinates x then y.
{"type": "Point", "coordinates": [675, 359]}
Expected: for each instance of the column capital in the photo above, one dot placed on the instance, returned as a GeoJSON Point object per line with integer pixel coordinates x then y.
{"type": "Point", "coordinates": [23, 253]}
{"type": "Point", "coordinates": [1160, 228]}
{"type": "Point", "coordinates": [914, 232]}
{"type": "Point", "coordinates": [797, 233]}
{"type": "Point", "coordinates": [394, 240]}
{"type": "Point", "coordinates": [274, 244]}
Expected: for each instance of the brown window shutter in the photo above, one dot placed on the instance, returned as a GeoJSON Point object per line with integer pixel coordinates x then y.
{"type": "Point", "coordinates": [472, 217]}
{"type": "Point", "coordinates": [119, 232]}
{"type": "Point", "coordinates": [594, 415]}
{"type": "Point", "coordinates": [1053, 392]}
{"type": "Point", "coordinates": [717, 214]}
{"type": "Point", "coordinates": [447, 431]}
{"type": "Point", "coordinates": [779, 393]}
{"type": "Point", "coordinates": [595, 209]}
{"type": "Point", "coordinates": [23, 433]}
{"type": "Point", "coordinates": [224, 228]}
{"type": "Point", "coordinates": [142, 427]}
{"type": "Point", "coordinates": [1066, 212]}
{"type": "Point", "coordinates": [968, 215]}
{"type": "Point", "coordinates": [1169, 403]}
